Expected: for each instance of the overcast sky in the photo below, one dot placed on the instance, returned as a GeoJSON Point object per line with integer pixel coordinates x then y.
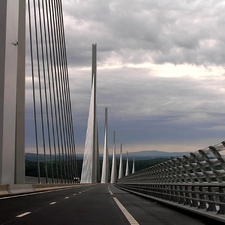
{"type": "Point", "coordinates": [160, 71]}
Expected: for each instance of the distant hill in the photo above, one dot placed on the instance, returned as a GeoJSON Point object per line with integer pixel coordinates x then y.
{"type": "Point", "coordinates": [33, 157]}
{"type": "Point", "coordinates": [142, 155]}
{"type": "Point", "coordinates": [143, 159]}
{"type": "Point", "coordinates": [146, 155]}
{"type": "Point", "coordinates": [154, 154]}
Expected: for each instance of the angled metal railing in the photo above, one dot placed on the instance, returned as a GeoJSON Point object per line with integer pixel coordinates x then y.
{"type": "Point", "coordinates": [194, 182]}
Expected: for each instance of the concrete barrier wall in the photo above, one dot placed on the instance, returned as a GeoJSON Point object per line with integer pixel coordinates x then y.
{"type": "Point", "coordinates": [3, 190]}
{"type": "Point", "coordinates": [43, 187]}
{"type": "Point", "coordinates": [13, 189]}
{"type": "Point", "coordinates": [20, 188]}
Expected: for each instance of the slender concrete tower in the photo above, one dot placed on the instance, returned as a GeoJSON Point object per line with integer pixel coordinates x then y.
{"type": "Point", "coordinates": [90, 167]}
{"type": "Point", "coordinates": [133, 169]}
{"type": "Point", "coordinates": [97, 159]}
{"type": "Point", "coordinates": [113, 171]}
{"type": "Point", "coordinates": [94, 80]}
{"type": "Point", "coordinates": [127, 166]}
{"type": "Point", "coordinates": [105, 163]}
{"type": "Point", "coordinates": [121, 163]}
{"type": "Point", "coordinates": [12, 91]}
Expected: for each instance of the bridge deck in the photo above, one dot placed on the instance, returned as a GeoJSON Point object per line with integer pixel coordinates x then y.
{"type": "Point", "coordinates": [88, 204]}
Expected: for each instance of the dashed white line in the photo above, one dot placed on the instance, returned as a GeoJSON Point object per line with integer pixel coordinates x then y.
{"type": "Point", "coordinates": [66, 197]}
{"type": "Point", "coordinates": [74, 194]}
{"type": "Point", "coordinates": [23, 214]}
{"type": "Point", "coordinates": [52, 203]}
{"type": "Point", "coordinates": [109, 190]}
{"type": "Point", "coordinates": [129, 217]}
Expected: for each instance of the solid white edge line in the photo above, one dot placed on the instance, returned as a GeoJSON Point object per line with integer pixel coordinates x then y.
{"type": "Point", "coordinates": [23, 214]}
{"type": "Point", "coordinates": [129, 217]}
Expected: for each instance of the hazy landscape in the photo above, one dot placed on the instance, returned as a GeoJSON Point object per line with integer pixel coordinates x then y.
{"type": "Point", "coordinates": [143, 159]}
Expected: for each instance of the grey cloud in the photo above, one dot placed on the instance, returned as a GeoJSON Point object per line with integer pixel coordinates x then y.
{"type": "Point", "coordinates": [145, 108]}
{"type": "Point", "coordinates": [168, 31]}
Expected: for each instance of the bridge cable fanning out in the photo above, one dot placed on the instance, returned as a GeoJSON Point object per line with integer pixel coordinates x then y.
{"type": "Point", "coordinates": [53, 121]}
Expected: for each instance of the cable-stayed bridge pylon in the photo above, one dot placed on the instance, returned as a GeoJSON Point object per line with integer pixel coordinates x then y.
{"type": "Point", "coordinates": [48, 72]}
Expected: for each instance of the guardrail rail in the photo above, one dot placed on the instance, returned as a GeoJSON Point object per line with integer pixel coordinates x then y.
{"type": "Point", "coordinates": [194, 182]}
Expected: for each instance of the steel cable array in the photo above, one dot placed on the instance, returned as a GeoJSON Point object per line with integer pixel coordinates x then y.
{"type": "Point", "coordinates": [53, 121]}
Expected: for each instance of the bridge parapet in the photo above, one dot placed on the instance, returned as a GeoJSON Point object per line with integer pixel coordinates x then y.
{"type": "Point", "coordinates": [194, 182]}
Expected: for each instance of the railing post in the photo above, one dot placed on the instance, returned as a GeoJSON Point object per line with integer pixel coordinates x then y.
{"type": "Point", "coordinates": [202, 197]}
{"type": "Point", "coordinates": [176, 193]}
{"type": "Point", "coordinates": [212, 206]}
{"type": "Point", "coordinates": [187, 196]}
{"type": "Point", "coordinates": [172, 187]}
{"type": "Point", "coordinates": [181, 200]}
{"type": "Point", "coordinates": [194, 202]}
{"type": "Point", "coordinates": [222, 200]}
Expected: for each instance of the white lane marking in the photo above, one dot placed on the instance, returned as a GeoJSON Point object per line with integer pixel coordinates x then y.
{"type": "Point", "coordinates": [129, 217]}
{"type": "Point", "coordinates": [23, 214]}
{"type": "Point", "coordinates": [52, 203]}
{"type": "Point", "coordinates": [74, 194]}
{"type": "Point", "coordinates": [109, 190]}
{"type": "Point", "coordinates": [79, 192]}
{"type": "Point", "coordinates": [66, 197]}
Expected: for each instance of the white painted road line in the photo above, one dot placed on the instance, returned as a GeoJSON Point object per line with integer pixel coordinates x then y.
{"type": "Point", "coordinates": [52, 203]}
{"type": "Point", "coordinates": [129, 217]}
{"type": "Point", "coordinates": [66, 197]}
{"type": "Point", "coordinates": [109, 190]}
{"type": "Point", "coordinates": [74, 194]}
{"type": "Point", "coordinates": [24, 214]}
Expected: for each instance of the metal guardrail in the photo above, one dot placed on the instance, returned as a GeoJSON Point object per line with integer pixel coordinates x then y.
{"type": "Point", "coordinates": [194, 182]}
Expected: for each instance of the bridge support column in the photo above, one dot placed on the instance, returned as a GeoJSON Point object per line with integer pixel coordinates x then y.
{"type": "Point", "coordinates": [90, 168]}
{"type": "Point", "coordinates": [12, 91]}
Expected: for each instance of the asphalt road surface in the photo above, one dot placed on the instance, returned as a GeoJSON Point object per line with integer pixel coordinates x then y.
{"type": "Point", "coordinates": [100, 204]}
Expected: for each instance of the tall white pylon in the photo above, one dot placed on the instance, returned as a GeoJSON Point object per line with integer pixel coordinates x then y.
{"type": "Point", "coordinates": [113, 171]}
{"type": "Point", "coordinates": [121, 163]}
{"type": "Point", "coordinates": [12, 91]}
{"type": "Point", "coordinates": [133, 169]}
{"type": "Point", "coordinates": [90, 167]}
{"type": "Point", "coordinates": [127, 166]}
{"type": "Point", "coordinates": [105, 163]}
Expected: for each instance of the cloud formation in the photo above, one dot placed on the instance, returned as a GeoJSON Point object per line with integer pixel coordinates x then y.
{"type": "Point", "coordinates": [160, 70]}
{"type": "Point", "coordinates": [147, 31]}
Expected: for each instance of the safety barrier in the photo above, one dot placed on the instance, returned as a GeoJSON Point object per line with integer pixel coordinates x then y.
{"type": "Point", "coordinates": [14, 189]}
{"type": "Point", "coordinates": [3, 190]}
{"type": "Point", "coordinates": [194, 182]}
